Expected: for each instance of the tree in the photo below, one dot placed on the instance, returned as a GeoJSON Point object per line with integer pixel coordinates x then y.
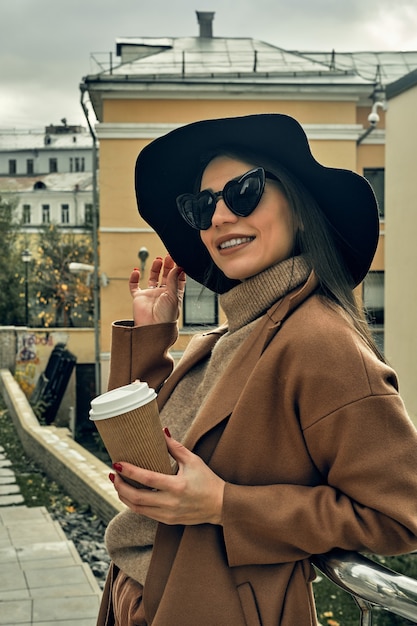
{"type": "Point", "coordinates": [61, 299]}
{"type": "Point", "coordinates": [12, 272]}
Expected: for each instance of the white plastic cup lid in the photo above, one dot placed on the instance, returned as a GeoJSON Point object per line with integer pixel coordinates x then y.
{"type": "Point", "coordinates": [121, 400]}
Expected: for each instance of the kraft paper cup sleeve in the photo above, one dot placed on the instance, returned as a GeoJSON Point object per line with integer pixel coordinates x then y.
{"type": "Point", "coordinates": [136, 437]}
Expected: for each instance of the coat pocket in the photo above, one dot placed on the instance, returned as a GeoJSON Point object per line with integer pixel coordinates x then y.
{"type": "Point", "coordinates": [249, 604]}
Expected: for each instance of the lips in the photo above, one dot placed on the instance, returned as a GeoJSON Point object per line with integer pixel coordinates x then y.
{"type": "Point", "coordinates": [233, 242]}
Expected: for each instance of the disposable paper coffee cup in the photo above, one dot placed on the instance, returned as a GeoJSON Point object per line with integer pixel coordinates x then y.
{"type": "Point", "coordinates": [127, 419]}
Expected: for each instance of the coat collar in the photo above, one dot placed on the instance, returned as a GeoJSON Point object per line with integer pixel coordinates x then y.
{"type": "Point", "coordinates": [233, 380]}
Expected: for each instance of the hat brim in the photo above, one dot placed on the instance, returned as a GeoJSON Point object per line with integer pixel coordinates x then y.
{"type": "Point", "coordinates": [169, 166]}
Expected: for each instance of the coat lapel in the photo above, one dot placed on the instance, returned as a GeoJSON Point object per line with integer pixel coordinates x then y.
{"type": "Point", "coordinates": [225, 394]}
{"type": "Point", "coordinates": [199, 347]}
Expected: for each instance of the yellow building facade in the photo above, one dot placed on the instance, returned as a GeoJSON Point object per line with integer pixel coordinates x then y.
{"type": "Point", "coordinates": [151, 93]}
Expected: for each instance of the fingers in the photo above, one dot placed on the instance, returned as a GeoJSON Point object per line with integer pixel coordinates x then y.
{"type": "Point", "coordinates": [134, 281]}
{"type": "Point", "coordinates": [155, 271]}
{"type": "Point", "coordinates": [165, 273]}
{"type": "Point", "coordinates": [181, 280]}
{"type": "Point", "coordinates": [147, 478]}
{"type": "Point", "coordinates": [167, 267]}
{"type": "Point", "coordinates": [160, 270]}
{"type": "Point", "coordinates": [192, 496]}
{"type": "Point", "coordinates": [177, 450]}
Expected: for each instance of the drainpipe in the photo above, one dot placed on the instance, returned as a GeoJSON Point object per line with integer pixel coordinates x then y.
{"type": "Point", "coordinates": [373, 119]}
{"type": "Point", "coordinates": [96, 283]}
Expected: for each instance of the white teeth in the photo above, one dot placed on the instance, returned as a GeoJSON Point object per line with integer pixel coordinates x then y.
{"type": "Point", "coordinates": [235, 242]}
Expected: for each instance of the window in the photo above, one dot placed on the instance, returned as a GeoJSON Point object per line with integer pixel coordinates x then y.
{"type": "Point", "coordinates": [53, 166]}
{"type": "Point", "coordinates": [79, 164]}
{"type": "Point", "coordinates": [376, 178]}
{"type": "Point", "coordinates": [88, 214]}
{"type": "Point", "coordinates": [46, 218]}
{"type": "Point", "coordinates": [65, 213]}
{"type": "Point", "coordinates": [200, 305]}
{"type": "Point", "coordinates": [29, 166]}
{"type": "Point", "coordinates": [26, 216]}
{"type": "Point", "coordinates": [12, 166]}
{"type": "Point", "coordinates": [373, 301]}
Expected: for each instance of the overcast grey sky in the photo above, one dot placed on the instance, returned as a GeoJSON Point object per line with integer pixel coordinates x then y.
{"type": "Point", "coordinates": [46, 45]}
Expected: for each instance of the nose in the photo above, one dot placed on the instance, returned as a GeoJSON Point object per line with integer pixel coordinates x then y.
{"type": "Point", "coordinates": [222, 214]}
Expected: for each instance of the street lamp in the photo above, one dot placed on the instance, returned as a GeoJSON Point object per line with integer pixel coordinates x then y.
{"type": "Point", "coordinates": [77, 268]}
{"type": "Point", "coordinates": [143, 256]}
{"type": "Point", "coordinates": [26, 258]}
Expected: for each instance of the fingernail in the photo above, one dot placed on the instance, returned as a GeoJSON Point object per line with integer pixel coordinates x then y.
{"type": "Point", "coordinates": [118, 467]}
{"type": "Point", "coordinates": [136, 269]}
{"type": "Point", "coordinates": [112, 477]}
{"type": "Point", "coordinates": [166, 431]}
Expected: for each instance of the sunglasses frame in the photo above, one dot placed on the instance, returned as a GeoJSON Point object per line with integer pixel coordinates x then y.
{"type": "Point", "coordinates": [214, 196]}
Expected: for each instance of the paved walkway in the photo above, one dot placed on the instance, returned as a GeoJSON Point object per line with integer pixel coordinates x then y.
{"type": "Point", "coordinates": [43, 580]}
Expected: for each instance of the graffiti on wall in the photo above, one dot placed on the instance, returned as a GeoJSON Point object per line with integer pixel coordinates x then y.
{"type": "Point", "coordinates": [33, 351]}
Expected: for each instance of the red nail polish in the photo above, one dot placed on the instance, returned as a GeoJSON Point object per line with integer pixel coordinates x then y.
{"type": "Point", "coordinates": [112, 477]}
{"type": "Point", "coordinates": [166, 431]}
{"type": "Point", "coordinates": [118, 467]}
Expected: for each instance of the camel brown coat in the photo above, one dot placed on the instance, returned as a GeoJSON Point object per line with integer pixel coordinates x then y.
{"type": "Point", "coordinates": [308, 430]}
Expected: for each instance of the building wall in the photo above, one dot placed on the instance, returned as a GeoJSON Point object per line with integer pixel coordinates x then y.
{"type": "Point", "coordinates": [131, 123]}
{"type": "Point", "coordinates": [400, 247]}
{"type": "Point", "coordinates": [182, 111]}
{"type": "Point", "coordinates": [76, 199]}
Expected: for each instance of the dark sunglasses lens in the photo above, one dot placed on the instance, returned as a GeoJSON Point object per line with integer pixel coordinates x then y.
{"type": "Point", "coordinates": [242, 196]}
{"type": "Point", "coordinates": [197, 210]}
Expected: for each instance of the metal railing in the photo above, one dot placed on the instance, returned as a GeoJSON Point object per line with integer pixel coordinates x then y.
{"type": "Point", "coordinates": [370, 584]}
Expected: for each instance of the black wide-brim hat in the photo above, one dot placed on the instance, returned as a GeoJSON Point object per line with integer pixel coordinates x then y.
{"type": "Point", "coordinates": [170, 165]}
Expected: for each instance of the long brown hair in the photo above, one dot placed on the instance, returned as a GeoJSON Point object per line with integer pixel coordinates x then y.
{"type": "Point", "coordinates": [316, 240]}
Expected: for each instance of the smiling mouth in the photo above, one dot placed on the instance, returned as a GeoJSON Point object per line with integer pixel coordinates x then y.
{"type": "Point", "coordinates": [232, 243]}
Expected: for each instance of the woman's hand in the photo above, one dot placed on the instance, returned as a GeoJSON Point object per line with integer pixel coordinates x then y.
{"type": "Point", "coordinates": [161, 301]}
{"type": "Point", "coordinates": [193, 496]}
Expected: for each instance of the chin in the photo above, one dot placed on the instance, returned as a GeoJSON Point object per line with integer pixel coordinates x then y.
{"type": "Point", "coordinates": [242, 276]}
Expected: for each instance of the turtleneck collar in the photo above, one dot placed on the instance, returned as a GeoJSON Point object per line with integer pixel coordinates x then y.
{"type": "Point", "coordinates": [248, 300]}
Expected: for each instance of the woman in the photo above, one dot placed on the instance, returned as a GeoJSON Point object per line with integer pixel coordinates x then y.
{"type": "Point", "coordinates": [295, 440]}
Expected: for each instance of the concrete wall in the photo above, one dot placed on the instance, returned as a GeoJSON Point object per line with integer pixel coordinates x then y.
{"type": "Point", "coordinates": [79, 473]}
{"type": "Point", "coordinates": [25, 352]}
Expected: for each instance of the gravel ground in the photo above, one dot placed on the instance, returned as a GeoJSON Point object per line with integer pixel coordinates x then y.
{"type": "Point", "coordinates": [86, 532]}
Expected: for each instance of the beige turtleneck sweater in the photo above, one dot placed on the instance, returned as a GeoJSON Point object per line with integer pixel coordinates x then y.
{"type": "Point", "coordinates": [129, 536]}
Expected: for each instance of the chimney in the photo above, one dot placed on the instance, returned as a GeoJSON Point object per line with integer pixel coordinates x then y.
{"type": "Point", "coordinates": [205, 20]}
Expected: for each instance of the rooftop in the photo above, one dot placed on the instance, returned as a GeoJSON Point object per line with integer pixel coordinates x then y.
{"type": "Point", "coordinates": [12, 139]}
{"type": "Point", "coordinates": [188, 58]}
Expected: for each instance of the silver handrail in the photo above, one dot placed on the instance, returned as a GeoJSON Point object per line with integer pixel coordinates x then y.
{"type": "Point", "coordinates": [370, 584]}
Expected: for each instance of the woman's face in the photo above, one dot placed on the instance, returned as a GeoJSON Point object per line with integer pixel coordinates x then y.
{"type": "Point", "coordinates": [244, 246]}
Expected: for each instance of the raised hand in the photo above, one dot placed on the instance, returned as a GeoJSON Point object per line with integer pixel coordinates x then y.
{"type": "Point", "coordinates": [161, 301]}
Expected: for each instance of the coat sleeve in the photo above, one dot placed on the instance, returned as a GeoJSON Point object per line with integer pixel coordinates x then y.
{"type": "Point", "coordinates": [369, 503]}
{"type": "Point", "coordinates": [141, 352]}
{"type": "Point", "coordinates": [362, 443]}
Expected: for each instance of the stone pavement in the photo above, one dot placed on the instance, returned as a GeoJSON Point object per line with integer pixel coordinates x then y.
{"type": "Point", "coordinates": [43, 580]}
